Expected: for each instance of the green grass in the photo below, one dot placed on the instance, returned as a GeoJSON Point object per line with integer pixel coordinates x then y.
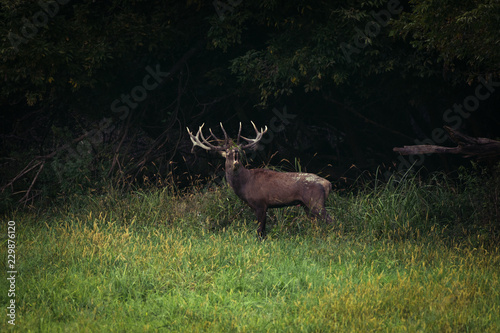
{"type": "Point", "coordinates": [408, 256]}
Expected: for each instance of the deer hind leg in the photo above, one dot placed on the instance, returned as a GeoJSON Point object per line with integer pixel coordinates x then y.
{"type": "Point", "coordinates": [316, 208]}
{"type": "Point", "coordinates": [307, 210]}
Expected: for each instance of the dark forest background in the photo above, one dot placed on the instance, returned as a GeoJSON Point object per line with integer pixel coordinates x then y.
{"type": "Point", "coordinates": [98, 93]}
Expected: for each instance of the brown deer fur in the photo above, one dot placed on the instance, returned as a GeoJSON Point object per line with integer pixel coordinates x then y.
{"type": "Point", "coordinates": [262, 188]}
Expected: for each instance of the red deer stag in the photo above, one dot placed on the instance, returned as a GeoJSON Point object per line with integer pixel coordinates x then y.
{"type": "Point", "coordinates": [262, 188]}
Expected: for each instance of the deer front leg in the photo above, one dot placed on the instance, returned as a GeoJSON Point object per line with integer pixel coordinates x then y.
{"type": "Point", "coordinates": [260, 212]}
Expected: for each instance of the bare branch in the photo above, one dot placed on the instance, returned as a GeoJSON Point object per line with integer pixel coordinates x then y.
{"type": "Point", "coordinates": [26, 198]}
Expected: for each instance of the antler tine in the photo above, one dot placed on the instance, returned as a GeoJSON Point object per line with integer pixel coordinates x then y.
{"type": "Point", "coordinates": [196, 140]}
{"type": "Point", "coordinates": [226, 139]}
{"type": "Point", "coordinates": [239, 134]}
{"type": "Point", "coordinates": [254, 142]}
{"type": "Point", "coordinates": [203, 143]}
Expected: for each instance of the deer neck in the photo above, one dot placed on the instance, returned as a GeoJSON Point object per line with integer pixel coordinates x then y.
{"type": "Point", "coordinates": [237, 176]}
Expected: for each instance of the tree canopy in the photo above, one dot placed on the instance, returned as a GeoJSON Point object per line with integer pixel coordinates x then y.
{"type": "Point", "coordinates": [116, 82]}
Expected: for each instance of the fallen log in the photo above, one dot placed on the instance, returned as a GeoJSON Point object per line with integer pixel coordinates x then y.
{"type": "Point", "coordinates": [466, 145]}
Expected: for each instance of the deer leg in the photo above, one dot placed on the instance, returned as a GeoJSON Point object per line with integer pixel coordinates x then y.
{"type": "Point", "coordinates": [261, 218]}
{"type": "Point", "coordinates": [322, 214]}
{"type": "Point", "coordinates": [325, 216]}
{"type": "Point", "coordinates": [316, 208]}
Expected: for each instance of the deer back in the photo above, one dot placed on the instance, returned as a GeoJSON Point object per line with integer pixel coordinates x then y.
{"type": "Point", "coordinates": [277, 189]}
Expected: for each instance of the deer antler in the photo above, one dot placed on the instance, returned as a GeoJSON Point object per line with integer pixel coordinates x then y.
{"type": "Point", "coordinates": [252, 142]}
{"type": "Point", "coordinates": [226, 139]}
{"type": "Point", "coordinates": [200, 141]}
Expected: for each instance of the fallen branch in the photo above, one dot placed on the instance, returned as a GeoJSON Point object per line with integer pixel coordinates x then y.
{"type": "Point", "coordinates": [40, 160]}
{"type": "Point", "coordinates": [466, 145]}
{"type": "Point", "coordinates": [26, 197]}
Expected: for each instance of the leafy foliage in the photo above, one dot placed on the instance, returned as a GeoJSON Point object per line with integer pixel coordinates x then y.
{"type": "Point", "coordinates": [306, 48]}
{"type": "Point", "coordinates": [464, 34]}
{"type": "Point", "coordinates": [359, 78]}
{"type": "Point", "coordinates": [84, 46]}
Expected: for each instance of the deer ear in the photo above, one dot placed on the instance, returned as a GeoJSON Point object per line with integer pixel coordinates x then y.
{"type": "Point", "coordinates": [223, 153]}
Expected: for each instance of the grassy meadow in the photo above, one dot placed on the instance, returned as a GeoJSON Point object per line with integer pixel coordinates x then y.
{"type": "Point", "coordinates": [404, 256]}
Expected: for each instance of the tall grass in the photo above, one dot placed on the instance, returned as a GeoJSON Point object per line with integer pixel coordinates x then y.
{"type": "Point", "coordinates": [407, 255]}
